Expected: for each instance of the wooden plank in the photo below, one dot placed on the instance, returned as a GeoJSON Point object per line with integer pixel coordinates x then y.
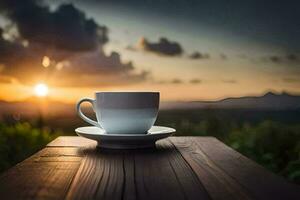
{"type": "Point", "coordinates": [46, 175]}
{"type": "Point", "coordinates": [129, 190]}
{"type": "Point", "coordinates": [263, 183]}
{"type": "Point", "coordinates": [72, 141]}
{"type": "Point", "coordinates": [216, 181]}
{"type": "Point", "coordinates": [100, 176]}
{"type": "Point", "coordinates": [251, 177]}
{"type": "Point", "coordinates": [205, 168]}
{"type": "Point", "coordinates": [162, 173]}
{"type": "Point", "coordinates": [61, 152]}
{"type": "Point", "coordinates": [159, 173]}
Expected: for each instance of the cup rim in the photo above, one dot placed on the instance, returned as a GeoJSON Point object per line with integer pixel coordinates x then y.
{"type": "Point", "coordinates": [126, 92]}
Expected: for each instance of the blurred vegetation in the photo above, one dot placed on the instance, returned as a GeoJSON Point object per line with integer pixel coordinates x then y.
{"type": "Point", "coordinates": [20, 140]}
{"type": "Point", "coordinates": [270, 138]}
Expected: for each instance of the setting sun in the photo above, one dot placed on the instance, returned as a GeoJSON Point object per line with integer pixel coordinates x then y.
{"type": "Point", "coordinates": [41, 90]}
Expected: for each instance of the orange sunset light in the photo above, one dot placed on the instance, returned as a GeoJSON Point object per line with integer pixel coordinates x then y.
{"type": "Point", "coordinates": [41, 90]}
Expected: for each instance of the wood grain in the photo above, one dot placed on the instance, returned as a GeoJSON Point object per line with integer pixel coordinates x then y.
{"type": "Point", "coordinates": [163, 174]}
{"type": "Point", "coordinates": [100, 176]}
{"type": "Point", "coordinates": [219, 184]}
{"type": "Point", "coordinates": [42, 176]}
{"type": "Point", "coordinates": [178, 168]}
{"type": "Point", "coordinates": [143, 174]}
{"type": "Point", "coordinates": [72, 141]}
{"type": "Point", "coordinates": [253, 179]}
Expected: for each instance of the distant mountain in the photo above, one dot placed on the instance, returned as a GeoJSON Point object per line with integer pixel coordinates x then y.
{"type": "Point", "coordinates": [35, 106]}
{"type": "Point", "coordinates": [269, 100]}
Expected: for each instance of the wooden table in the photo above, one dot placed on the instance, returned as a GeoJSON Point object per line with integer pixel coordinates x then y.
{"type": "Point", "coordinates": [179, 168]}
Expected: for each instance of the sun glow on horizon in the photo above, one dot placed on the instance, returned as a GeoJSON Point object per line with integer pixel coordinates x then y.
{"type": "Point", "coordinates": [41, 90]}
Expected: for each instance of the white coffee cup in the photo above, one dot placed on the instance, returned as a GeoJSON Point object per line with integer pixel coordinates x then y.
{"type": "Point", "coordinates": [123, 112]}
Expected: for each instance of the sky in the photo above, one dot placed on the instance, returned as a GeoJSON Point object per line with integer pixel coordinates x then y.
{"type": "Point", "coordinates": [187, 50]}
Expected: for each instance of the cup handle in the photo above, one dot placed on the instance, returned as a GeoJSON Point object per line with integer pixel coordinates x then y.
{"type": "Point", "coordinates": [81, 115]}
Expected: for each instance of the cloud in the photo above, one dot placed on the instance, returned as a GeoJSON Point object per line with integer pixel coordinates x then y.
{"type": "Point", "coordinates": [282, 58]}
{"type": "Point", "coordinates": [292, 57]}
{"type": "Point", "coordinates": [95, 68]}
{"type": "Point", "coordinates": [15, 59]}
{"type": "Point", "coordinates": [64, 28]}
{"type": "Point", "coordinates": [229, 81]}
{"type": "Point", "coordinates": [198, 55]}
{"type": "Point", "coordinates": [97, 62]}
{"type": "Point", "coordinates": [163, 47]}
{"type": "Point", "coordinates": [98, 80]}
{"type": "Point", "coordinates": [7, 80]}
{"type": "Point", "coordinates": [179, 81]}
{"type": "Point", "coordinates": [176, 81]}
{"type": "Point", "coordinates": [291, 80]}
{"type": "Point", "coordinates": [65, 50]}
{"type": "Point", "coordinates": [172, 81]}
{"type": "Point", "coordinates": [242, 56]}
{"type": "Point", "coordinates": [9, 51]}
{"type": "Point", "coordinates": [223, 56]}
{"type": "Point", "coordinates": [195, 81]}
{"type": "Point", "coordinates": [89, 68]}
{"type": "Point", "coordinates": [275, 59]}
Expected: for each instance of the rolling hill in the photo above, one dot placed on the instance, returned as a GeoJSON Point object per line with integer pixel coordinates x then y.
{"type": "Point", "coordinates": [268, 101]}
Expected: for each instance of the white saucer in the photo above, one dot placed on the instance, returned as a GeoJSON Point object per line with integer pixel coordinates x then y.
{"type": "Point", "coordinates": [125, 141]}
